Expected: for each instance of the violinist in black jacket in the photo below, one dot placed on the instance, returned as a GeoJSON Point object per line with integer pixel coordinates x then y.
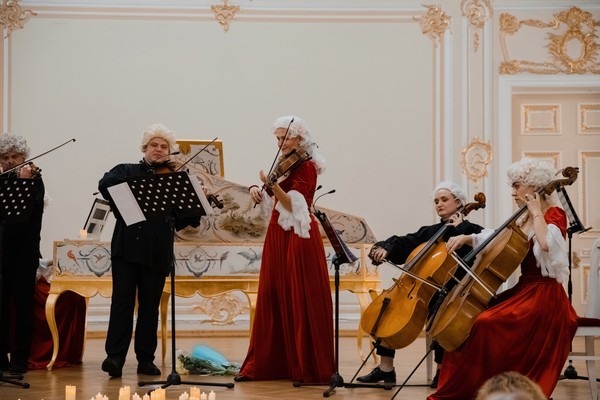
{"type": "Point", "coordinates": [141, 256]}
{"type": "Point", "coordinates": [448, 198]}
{"type": "Point", "coordinates": [20, 259]}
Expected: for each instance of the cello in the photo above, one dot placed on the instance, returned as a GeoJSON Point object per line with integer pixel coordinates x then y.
{"type": "Point", "coordinates": [493, 261]}
{"type": "Point", "coordinates": [398, 314]}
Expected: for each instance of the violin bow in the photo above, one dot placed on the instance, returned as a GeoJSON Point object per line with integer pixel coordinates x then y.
{"type": "Point", "coordinates": [38, 156]}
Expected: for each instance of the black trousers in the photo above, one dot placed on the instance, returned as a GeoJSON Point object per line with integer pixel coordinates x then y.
{"type": "Point", "coordinates": [19, 267]}
{"type": "Point", "coordinates": [129, 279]}
{"type": "Point", "coordinates": [438, 352]}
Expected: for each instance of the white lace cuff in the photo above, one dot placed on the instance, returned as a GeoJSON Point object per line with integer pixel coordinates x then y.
{"type": "Point", "coordinates": [554, 262]}
{"type": "Point", "coordinates": [298, 219]}
{"type": "Point", "coordinates": [266, 206]}
{"type": "Point", "coordinates": [480, 237]}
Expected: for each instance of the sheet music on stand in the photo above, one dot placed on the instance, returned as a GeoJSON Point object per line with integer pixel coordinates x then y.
{"type": "Point", "coordinates": [150, 196]}
{"type": "Point", "coordinates": [16, 198]}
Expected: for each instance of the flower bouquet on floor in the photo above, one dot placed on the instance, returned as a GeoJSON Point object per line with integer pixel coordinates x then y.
{"type": "Point", "coordinates": [204, 360]}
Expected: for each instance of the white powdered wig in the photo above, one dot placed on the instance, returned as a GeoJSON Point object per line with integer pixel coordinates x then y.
{"type": "Point", "coordinates": [299, 128]}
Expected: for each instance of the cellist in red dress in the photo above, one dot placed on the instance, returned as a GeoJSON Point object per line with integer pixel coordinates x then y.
{"type": "Point", "coordinates": [292, 335]}
{"type": "Point", "coordinates": [529, 328]}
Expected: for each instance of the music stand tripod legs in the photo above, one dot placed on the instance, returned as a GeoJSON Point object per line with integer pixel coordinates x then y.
{"type": "Point", "coordinates": [174, 378]}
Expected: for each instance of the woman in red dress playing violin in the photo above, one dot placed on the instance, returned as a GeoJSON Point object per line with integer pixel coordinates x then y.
{"type": "Point", "coordinates": [529, 328]}
{"type": "Point", "coordinates": [292, 335]}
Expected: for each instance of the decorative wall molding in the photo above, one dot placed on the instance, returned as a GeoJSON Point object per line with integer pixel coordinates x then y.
{"type": "Point", "coordinates": [475, 159]}
{"type": "Point", "coordinates": [434, 23]}
{"type": "Point", "coordinates": [573, 25]}
{"type": "Point", "coordinates": [540, 119]}
{"type": "Point", "coordinates": [554, 157]}
{"type": "Point", "coordinates": [588, 118]}
{"type": "Point", "coordinates": [225, 13]}
{"type": "Point", "coordinates": [478, 13]}
{"type": "Point", "coordinates": [12, 16]}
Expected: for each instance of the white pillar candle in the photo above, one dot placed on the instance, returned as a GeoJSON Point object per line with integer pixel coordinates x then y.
{"type": "Point", "coordinates": [145, 397]}
{"type": "Point", "coordinates": [195, 392]}
{"type": "Point", "coordinates": [212, 395]}
{"type": "Point", "coordinates": [125, 393]}
{"type": "Point", "coordinates": [184, 396]}
{"type": "Point", "coordinates": [136, 396]}
{"type": "Point", "coordinates": [203, 396]}
{"type": "Point", "coordinates": [70, 392]}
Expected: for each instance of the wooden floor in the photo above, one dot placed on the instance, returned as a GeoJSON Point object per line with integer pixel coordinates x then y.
{"type": "Point", "coordinates": [90, 380]}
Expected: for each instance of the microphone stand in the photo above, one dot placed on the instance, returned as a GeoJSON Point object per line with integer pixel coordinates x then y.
{"type": "Point", "coordinates": [343, 255]}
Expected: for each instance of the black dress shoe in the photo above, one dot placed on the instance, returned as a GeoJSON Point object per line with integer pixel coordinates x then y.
{"type": "Point", "coordinates": [147, 368]}
{"type": "Point", "coordinates": [378, 375]}
{"type": "Point", "coordinates": [113, 366]}
{"type": "Point", "coordinates": [434, 381]}
{"type": "Point", "coordinates": [18, 366]}
{"type": "Point", "coordinates": [241, 378]}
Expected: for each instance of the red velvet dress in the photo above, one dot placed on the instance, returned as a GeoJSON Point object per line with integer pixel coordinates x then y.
{"type": "Point", "coordinates": [292, 335]}
{"type": "Point", "coordinates": [529, 331]}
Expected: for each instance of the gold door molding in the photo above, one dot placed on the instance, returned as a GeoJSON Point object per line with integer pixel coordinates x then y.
{"type": "Point", "coordinates": [572, 25]}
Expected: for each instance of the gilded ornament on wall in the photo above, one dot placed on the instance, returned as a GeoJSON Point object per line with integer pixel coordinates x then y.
{"type": "Point", "coordinates": [475, 159]}
{"type": "Point", "coordinates": [434, 23]}
{"type": "Point", "coordinates": [225, 13]}
{"type": "Point", "coordinates": [12, 17]}
{"type": "Point", "coordinates": [572, 44]}
{"type": "Point", "coordinates": [477, 12]}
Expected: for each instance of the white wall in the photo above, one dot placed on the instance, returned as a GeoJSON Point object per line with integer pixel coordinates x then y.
{"type": "Point", "coordinates": [365, 90]}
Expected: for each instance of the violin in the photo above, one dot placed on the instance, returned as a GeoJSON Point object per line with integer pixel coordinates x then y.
{"type": "Point", "coordinates": [15, 172]}
{"type": "Point", "coordinates": [287, 164]}
{"type": "Point", "coordinates": [493, 262]}
{"type": "Point", "coordinates": [397, 316]}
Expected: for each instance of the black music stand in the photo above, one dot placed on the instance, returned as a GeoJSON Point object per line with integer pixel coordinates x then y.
{"type": "Point", "coordinates": [171, 195]}
{"type": "Point", "coordinates": [343, 255]}
{"type": "Point", "coordinates": [575, 226]}
{"type": "Point", "coordinates": [16, 200]}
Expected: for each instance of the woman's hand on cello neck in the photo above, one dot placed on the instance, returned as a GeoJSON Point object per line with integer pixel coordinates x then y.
{"type": "Point", "coordinates": [455, 220]}
{"type": "Point", "coordinates": [456, 242]}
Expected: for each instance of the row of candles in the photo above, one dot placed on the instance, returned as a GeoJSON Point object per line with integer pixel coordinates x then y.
{"type": "Point", "coordinates": [157, 394]}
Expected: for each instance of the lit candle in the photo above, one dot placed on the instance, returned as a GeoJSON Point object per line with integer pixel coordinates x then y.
{"type": "Point", "coordinates": [125, 393]}
{"type": "Point", "coordinates": [195, 392]}
{"type": "Point", "coordinates": [82, 233]}
{"type": "Point", "coordinates": [203, 396]}
{"type": "Point", "coordinates": [99, 396]}
{"type": "Point", "coordinates": [136, 396]}
{"type": "Point", "coordinates": [212, 395]}
{"type": "Point", "coordinates": [70, 392]}
{"type": "Point", "coordinates": [146, 397]}
{"type": "Point", "coordinates": [184, 396]}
